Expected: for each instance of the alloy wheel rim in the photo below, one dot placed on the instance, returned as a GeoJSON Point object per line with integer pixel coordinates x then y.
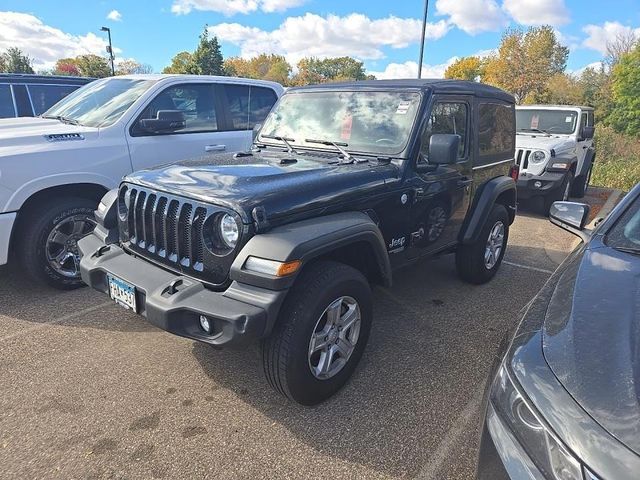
{"type": "Point", "coordinates": [495, 244]}
{"type": "Point", "coordinates": [61, 247]}
{"type": "Point", "coordinates": [334, 338]}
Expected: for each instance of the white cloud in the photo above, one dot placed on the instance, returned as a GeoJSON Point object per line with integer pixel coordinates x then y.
{"type": "Point", "coordinates": [410, 70]}
{"type": "Point", "coordinates": [537, 12]}
{"type": "Point", "coordinates": [473, 16]}
{"type": "Point", "coordinates": [600, 35]}
{"type": "Point", "coordinates": [354, 35]}
{"type": "Point", "coordinates": [114, 15]}
{"type": "Point", "coordinates": [43, 43]}
{"type": "Point", "coordinates": [232, 7]}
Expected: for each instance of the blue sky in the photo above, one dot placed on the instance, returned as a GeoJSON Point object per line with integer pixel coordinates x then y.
{"type": "Point", "coordinates": [383, 34]}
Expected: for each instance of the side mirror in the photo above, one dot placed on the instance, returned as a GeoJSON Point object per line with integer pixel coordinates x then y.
{"type": "Point", "coordinates": [443, 148]}
{"type": "Point", "coordinates": [571, 216]}
{"type": "Point", "coordinates": [166, 121]}
{"type": "Point", "coordinates": [256, 131]}
{"type": "Point", "coordinates": [587, 133]}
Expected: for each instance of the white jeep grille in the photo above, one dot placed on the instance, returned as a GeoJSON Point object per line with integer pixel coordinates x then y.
{"type": "Point", "coordinates": [522, 158]}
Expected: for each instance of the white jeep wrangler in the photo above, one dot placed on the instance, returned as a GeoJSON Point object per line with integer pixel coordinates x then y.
{"type": "Point", "coordinates": [55, 168]}
{"type": "Point", "coordinates": [554, 150]}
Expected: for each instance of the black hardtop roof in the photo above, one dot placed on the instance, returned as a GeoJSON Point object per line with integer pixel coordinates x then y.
{"type": "Point", "coordinates": [435, 85]}
{"type": "Point", "coordinates": [44, 79]}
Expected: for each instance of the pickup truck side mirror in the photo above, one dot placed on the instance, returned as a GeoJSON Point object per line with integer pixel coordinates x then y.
{"type": "Point", "coordinates": [587, 133]}
{"type": "Point", "coordinates": [443, 148]}
{"type": "Point", "coordinates": [166, 121]}
{"type": "Point", "coordinates": [571, 216]}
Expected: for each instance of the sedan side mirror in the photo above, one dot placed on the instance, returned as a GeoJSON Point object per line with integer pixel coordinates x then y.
{"type": "Point", "coordinates": [443, 148]}
{"type": "Point", "coordinates": [587, 133]}
{"type": "Point", "coordinates": [571, 216]}
{"type": "Point", "coordinates": [166, 121]}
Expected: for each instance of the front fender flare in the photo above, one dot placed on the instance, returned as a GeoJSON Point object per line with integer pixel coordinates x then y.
{"type": "Point", "coordinates": [309, 239]}
{"type": "Point", "coordinates": [486, 196]}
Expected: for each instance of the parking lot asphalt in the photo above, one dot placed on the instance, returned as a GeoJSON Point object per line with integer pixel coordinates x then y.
{"type": "Point", "coordinates": [92, 391]}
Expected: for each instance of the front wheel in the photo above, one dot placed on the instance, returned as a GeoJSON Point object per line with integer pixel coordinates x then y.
{"type": "Point", "coordinates": [49, 240]}
{"type": "Point", "coordinates": [563, 194]}
{"type": "Point", "coordinates": [321, 333]}
{"type": "Point", "coordinates": [479, 261]}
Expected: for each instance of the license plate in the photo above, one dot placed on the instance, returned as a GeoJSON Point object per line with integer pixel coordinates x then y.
{"type": "Point", "coordinates": [122, 292]}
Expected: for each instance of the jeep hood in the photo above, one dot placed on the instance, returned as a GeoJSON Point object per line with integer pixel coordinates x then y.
{"type": "Point", "coordinates": [285, 185]}
{"type": "Point", "coordinates": [34, 131]}
{"type": "Point", "coordinates": [537, 141]}
{"type": "Point", "coordinates": [591, 338]}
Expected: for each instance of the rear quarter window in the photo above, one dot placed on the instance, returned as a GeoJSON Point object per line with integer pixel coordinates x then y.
{"type": "Point", "coordinates": [7, 110]}
{"type": "Point", "coordinates": [496, 132]}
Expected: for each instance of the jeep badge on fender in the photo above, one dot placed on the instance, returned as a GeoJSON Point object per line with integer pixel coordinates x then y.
{"type": "Point", "coordinates": [282, 244]}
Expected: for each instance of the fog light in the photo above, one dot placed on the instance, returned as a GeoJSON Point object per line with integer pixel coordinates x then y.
{"type": "Point", "coordinates": [205, 324]}
{"type": "Point", "coordinates": [537, 184]}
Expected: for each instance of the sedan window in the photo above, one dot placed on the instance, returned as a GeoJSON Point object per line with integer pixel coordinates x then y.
{"type": "Point", "coordinates": [626, 232]}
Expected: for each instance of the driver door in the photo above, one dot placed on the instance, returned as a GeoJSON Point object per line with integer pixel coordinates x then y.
{"type": "Point", "coordinates": [441, 195]}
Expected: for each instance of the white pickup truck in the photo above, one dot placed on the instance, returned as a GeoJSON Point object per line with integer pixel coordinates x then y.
{"type": "Point", "coordinates": [554, 149]}
{"type": "Point", "coordinates": [55, 168]}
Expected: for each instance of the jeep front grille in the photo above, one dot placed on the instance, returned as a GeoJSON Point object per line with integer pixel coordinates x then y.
{"type": "Point", "coordinates": [522, 158]}
{"type": "Point", "coordinates": [174, 231]}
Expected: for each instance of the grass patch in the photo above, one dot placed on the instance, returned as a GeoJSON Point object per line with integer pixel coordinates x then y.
{"type": "Point", "coordinates": [617, 160]}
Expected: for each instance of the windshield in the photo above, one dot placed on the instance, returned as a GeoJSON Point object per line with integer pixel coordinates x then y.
{"type": "Point", "coordinates": [100, 103]}
{"type": "Point", "coordinates": [626, 232]}
{"type": "Point", "coordinates": [547, 121]}
{"type": "Point", "coordinates": [367, 122]}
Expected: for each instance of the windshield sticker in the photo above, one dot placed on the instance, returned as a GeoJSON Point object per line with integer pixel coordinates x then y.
{"type": "Point", "coordinates": [569, 119]}
{"type": "Point", "coordinates": [403, 108]}
{"type": "Point", "coordinates": [346, 127]}
{"type": "Point", "coordinates": [535, 121]}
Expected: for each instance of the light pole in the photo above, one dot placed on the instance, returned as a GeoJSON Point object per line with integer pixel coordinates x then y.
{"type": "Point", "coordinates": [109, 49]}
{"type": "Point", "coordinates": [424, 29]}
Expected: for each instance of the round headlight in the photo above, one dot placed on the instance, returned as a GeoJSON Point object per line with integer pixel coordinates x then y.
{"type": "Point", "coordinates": [229, 230]}
{"type": "Point", "coordinates": [538, 156]}
{"type": "Point", "coordinates": [124, 200]}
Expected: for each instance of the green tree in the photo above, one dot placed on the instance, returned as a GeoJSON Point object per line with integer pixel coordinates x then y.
{"type": "Point", "coordinates": [315, 70]}
{"type": "Point", "coordinates": [526, 61]}
{"type": "Point", "coordinates": [93, 66]}
{"type": "Point", "coordinates": [207, 58]}
{"type": "Point", "coordinates": [131, 67]}
{"type": "Point", "coordinates": [625, 89]}
{"type": "Point", "coordinates": [180, 64]}
{"type": "Point", "coordinates": [265, 67]}
{"type": "Point", "coordinates": [465, 68]}
{"type": "Point", "coordinates": [14, 61]}
{"type": "Point", "coordinates": [562, 89]}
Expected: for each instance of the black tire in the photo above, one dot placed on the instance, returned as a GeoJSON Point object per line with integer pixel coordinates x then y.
{"type": "Point", "coordinates": [470, 259]}
{"type": "Point", "coordinates": [285, 353]}
{"type": "Point", "coordinates": [563, 193]}
{"type": "Point", "coordinates": [36, 226]}
{"type": "Point", "coordinates": [581, 184]}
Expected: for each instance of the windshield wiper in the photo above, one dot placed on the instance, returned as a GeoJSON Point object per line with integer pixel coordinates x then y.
{"type": "Point", "coordinates": [631, 250]}
{"type": "Point", "coordinates": [282, 139]}
{"type": "Point", "coordinates": [536, 130]}
{"type": "Point", "coordinates": [338, 146]}
{"type": "Point", "coordinates": [60, 118]}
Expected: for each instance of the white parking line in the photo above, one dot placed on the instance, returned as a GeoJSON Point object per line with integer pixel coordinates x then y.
{"type": "Point", "coordinates": [42, 325]}
{"type": "Point", "coordinates": [460, 428]}
{"type": "Point", "coordinates": [528, 267]}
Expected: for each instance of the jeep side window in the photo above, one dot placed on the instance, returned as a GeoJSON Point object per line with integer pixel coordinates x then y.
{"type": "Point", "coordinates": [446, 117]}
{"type": "Point", "coordinates": [496, 132]}
{"type": "Point", "coordinates": [7, 109]}
{"type": "Point", "coordinates": [195, 101]}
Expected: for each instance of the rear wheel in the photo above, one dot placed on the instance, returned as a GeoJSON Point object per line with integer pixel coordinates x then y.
{"type": "Point", "coordinates": [478, 262]}
{"type": "Point", "coordinates": [49, 240]}
{"type": "Point", "coordinates": [321, 333]}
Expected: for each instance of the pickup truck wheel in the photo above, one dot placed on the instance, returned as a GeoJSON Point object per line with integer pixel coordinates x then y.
{"type": "Point", "coordinates": [321, 333]}
{"type": "Point", "coordinates": [49, 242]}
{"type": "Point", "coordinates": [478, 262]}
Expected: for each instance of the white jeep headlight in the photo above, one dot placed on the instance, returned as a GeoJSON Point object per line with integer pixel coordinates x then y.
{"type": "Point", "coordinates": [229, 231]}
{"type": "Point", "coordinates": [538, 156]}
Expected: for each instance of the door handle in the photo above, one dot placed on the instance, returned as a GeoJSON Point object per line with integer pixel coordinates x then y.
{"type": "Point", "coordinates": [215, 148]}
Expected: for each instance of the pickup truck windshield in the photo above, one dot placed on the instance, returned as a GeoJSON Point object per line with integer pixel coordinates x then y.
{"type": "Point", "coordinates": [100, 103]}
{"type": "Point", "coordinates": [368, 122]}
{"type": "Point", "coordinates": [546, 121]}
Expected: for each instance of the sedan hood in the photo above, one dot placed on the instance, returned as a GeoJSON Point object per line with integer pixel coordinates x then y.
{"type": "Point", "coordinates": [591, 338]}
{"type": "Point", "coordinates": [283, 184]}
{"type": "Point", "coordinates": [30, 131]}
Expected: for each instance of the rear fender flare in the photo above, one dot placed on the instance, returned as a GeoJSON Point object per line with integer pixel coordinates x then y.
{"type": "Point", "coordinates": [486, 196]}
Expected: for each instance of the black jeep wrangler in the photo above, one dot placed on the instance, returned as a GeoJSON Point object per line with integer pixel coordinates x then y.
{"type": "Point", "coordinates": [345, 182]}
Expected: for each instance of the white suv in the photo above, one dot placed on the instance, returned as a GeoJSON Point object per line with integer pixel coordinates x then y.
{"type": "Point", "coordinates": [55, 168]}
{"type": "Point", "coordinates": [554, 149]}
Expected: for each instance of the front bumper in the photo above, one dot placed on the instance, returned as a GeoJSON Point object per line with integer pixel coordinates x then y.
{"type": "Point", "coordinates": [6, 224]}
{"type": "Point", "coordinates": [240, 314]}
{"type": "Point", "coordinates": [550, 182]}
